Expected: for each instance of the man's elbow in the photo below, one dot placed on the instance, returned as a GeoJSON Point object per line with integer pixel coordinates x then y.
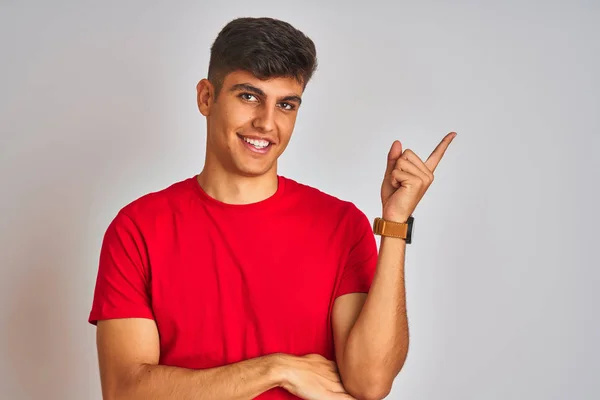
{"type": "Point", "coordinates": [124, 386]}
{"type": "Point", "coordinates": [117, 392]}
{"type": "Point", "coordinates": [374, 392]}
{"type": "Point", "coordinates": [371, 380]}
{"type": "Point", "coordinates": [370, 383]}
{"type": "Point", "coordinates": [366, 387]}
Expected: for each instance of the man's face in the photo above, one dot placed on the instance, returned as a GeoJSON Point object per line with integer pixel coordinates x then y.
{"type": "Point", "coordinates": [251, 122]}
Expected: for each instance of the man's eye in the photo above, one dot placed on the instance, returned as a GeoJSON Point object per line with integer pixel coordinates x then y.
{"type": "Point", "coordinates": [287, 106]}
{"type": "Point", "coordinates": [247, 96]}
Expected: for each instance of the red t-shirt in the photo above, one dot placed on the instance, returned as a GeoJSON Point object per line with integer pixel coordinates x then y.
{"type": "Point", "coordinates": [226, 283]}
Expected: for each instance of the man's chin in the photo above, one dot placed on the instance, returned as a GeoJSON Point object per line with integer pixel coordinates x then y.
{"type": "Point", "coordinates": [255, 172]}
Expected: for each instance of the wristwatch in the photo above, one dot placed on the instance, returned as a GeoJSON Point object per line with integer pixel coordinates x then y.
{"type": "Point", "coordinates": [401, 230]}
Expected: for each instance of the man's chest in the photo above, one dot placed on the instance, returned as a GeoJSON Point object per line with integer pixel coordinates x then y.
{"type": "Point", "coordinates": [234, 296]}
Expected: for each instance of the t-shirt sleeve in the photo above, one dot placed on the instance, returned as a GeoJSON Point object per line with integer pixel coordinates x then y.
{"type": "Point", "coordinates": [361, 263]}
{"type": "Point", "coordinates": [122, 283]}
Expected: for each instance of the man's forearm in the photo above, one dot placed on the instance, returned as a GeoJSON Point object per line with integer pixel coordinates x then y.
{"type": "Point", "coordinates": [377, 344]}
{"type": "Point", "coordinates": [239, 381]}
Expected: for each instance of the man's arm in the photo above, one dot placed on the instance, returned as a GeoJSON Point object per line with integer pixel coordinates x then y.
{"type": "Point", "coordinates": [371, 339]}
{"type": "Point", "coordinates": [128, 354]}
{"type": "Point", "coordinates": [371, 330]}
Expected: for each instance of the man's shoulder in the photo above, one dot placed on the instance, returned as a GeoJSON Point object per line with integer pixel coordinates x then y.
{"type": "Point", "coordinates": [331, 210]}
{"type": "Point", "coordinates": [167, 199]}
{"type": "Point", "coordinates": [313, 196]}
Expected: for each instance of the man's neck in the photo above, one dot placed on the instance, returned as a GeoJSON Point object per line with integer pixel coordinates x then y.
{"type": "Point", "coordinates": [235, 189]}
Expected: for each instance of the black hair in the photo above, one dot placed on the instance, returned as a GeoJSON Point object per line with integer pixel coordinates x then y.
{"type": "Point", "coordinates": [265, 47]}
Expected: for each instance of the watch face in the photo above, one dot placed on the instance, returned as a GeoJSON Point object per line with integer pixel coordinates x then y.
{"type": "Point", "coordinates": [410, 231]}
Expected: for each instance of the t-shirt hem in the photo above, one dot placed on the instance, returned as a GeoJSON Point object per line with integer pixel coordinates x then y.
{"type": "Point", "coordinates": [95, 317]}
{"type": "Point", "coordinates": [349, 291]}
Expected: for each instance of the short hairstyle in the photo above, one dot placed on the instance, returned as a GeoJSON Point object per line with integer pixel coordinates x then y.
{"type": "Point", "coordinates": [266, 47]}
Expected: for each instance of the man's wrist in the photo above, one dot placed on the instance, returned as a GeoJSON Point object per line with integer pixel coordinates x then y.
{"type": "Point", "coordinates": [280, 366]}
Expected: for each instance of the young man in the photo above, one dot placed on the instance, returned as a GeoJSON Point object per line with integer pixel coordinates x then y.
{"type": "Point", "coordinates": [240, 283]}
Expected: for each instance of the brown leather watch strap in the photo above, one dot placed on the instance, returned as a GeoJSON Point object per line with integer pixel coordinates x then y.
{"type": "Point", "coordinates": [389, 228]}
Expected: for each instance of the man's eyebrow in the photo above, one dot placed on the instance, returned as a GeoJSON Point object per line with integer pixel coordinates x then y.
{"type": "Point", "coordinates": [246, 87]}
{"type": "Point", "coordinates": [294, 97]}
{"type": "Point", "coordinates": [253, 89]}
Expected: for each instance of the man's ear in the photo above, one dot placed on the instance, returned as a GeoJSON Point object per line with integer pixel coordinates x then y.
{"type": "Point", "coordinates": [205, 96]}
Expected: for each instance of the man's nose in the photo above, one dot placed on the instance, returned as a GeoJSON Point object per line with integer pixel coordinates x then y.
{"type": "Point", "coordinates": [264, 119]}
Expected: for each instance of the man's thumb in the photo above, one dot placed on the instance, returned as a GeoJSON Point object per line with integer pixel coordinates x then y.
{"type": "Point", "coordinates": [393, 156]}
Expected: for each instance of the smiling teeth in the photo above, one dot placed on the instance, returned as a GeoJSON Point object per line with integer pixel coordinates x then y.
{"type": "Point", "coordinates": [260, 144]}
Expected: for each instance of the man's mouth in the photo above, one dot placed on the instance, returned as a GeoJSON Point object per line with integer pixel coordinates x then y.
{"type": "Point", "coordinates": [257, 145]}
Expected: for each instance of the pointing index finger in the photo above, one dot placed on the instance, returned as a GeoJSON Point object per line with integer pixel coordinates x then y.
{"type": "Point", "coordinates": [437, 154]}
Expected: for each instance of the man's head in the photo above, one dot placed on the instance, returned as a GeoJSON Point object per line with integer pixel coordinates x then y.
{"type": "Point", "coordinates": [259, 68]}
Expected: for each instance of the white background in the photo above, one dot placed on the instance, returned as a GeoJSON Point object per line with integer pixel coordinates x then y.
{"type": "Point", "coordinates": [97, 107]}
